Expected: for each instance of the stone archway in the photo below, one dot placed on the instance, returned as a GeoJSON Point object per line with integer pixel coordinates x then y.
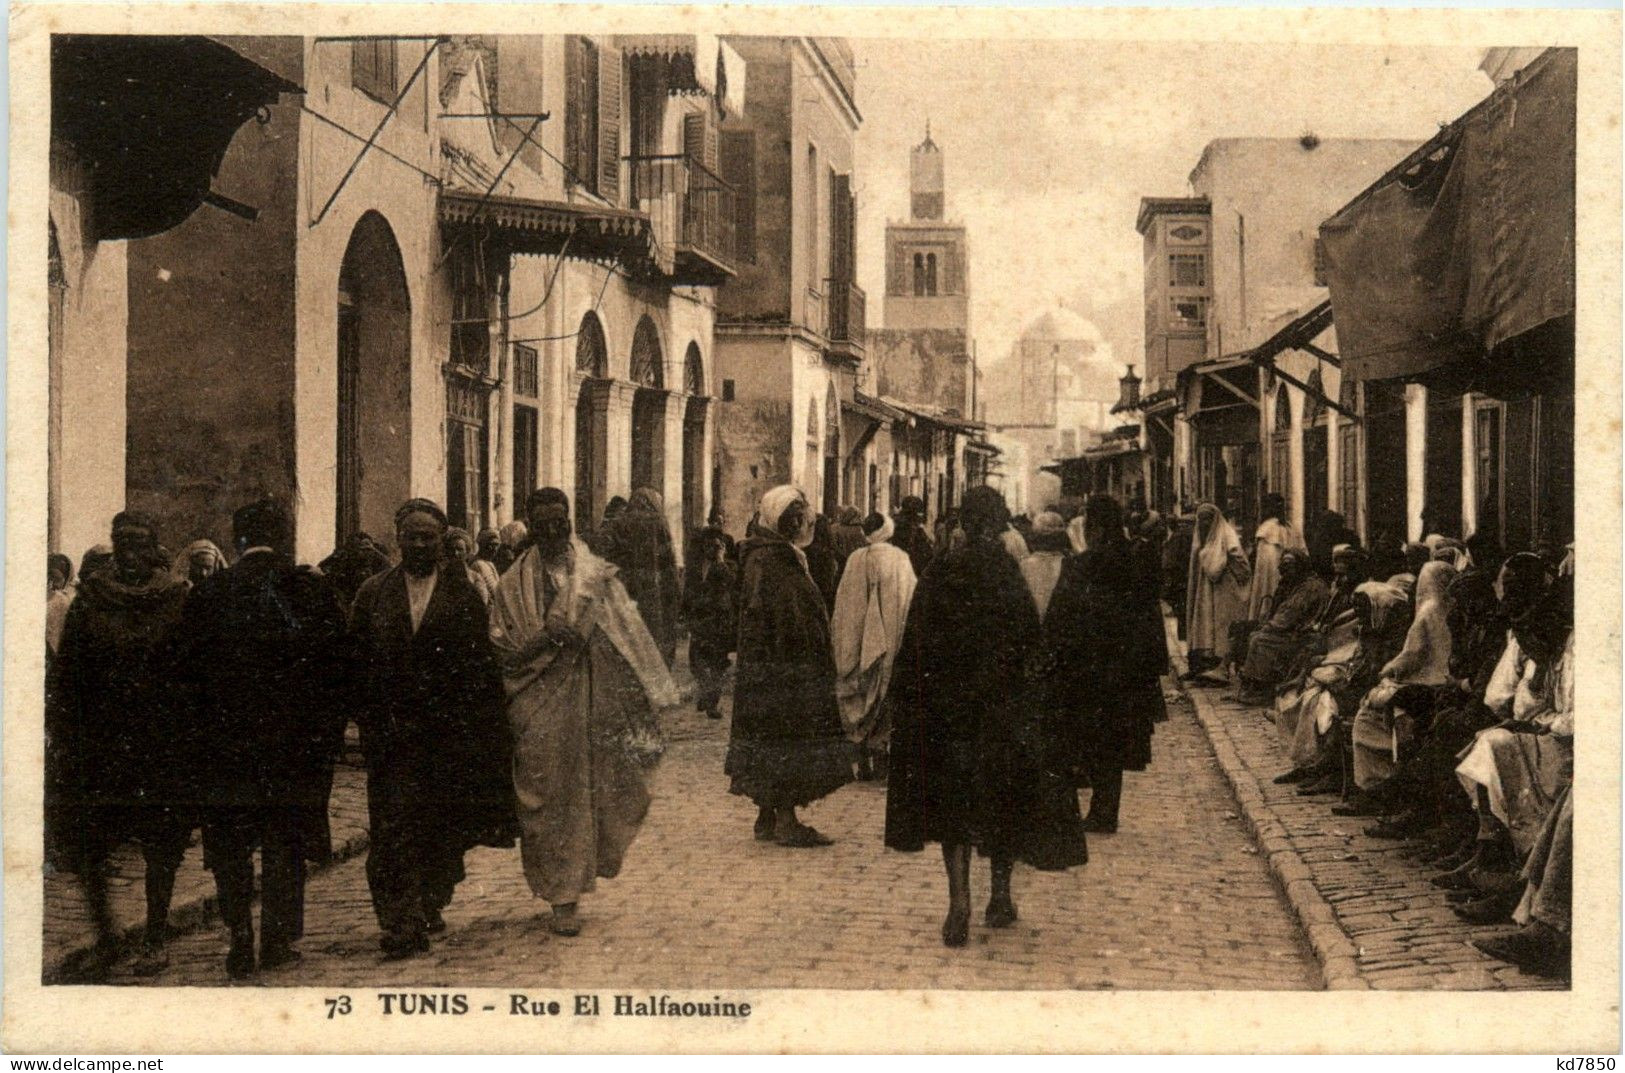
{"type": "Point", "coordinates": [592, 368]}
{"type": "Point", "coordinates": [648, 377]}
{"type": "Point", "coordinates": [695, 464]}
{"type": "Point", "coordinates": [374, 448]}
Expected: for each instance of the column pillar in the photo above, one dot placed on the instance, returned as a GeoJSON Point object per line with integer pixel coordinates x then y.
{"type": "Point", "coordinates": [1296, 403]}
{"type": "Point", "coordinates": [1416, 458]}
{"type": "Point", "coordinates": [608, 443]}
{"type": "Point", "coordinates": [1469, 465]}
{"type": "Point", "coordinates": [668, 460]}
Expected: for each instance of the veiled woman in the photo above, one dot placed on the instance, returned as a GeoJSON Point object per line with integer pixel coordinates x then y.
{"type": "Point", "coordinates": [787, 747]}
{"type": "Point", "coordinates": [638, 542]}
{"type": "Point", "coordinates": [969, 743]}
{"type": "Point", "coordinates": [1215, 595]}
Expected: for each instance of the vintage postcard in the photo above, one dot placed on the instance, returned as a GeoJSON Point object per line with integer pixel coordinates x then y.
{"type": "Point", "coordinates": [812, 529]}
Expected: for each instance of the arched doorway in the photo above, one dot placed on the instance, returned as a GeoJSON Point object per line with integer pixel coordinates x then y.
{"type": "Point", "coordinates": [1316, 461]}
{"type": "Point", "coordinates": [648, 373]}
{"type": "Point", "coordinates": [374, 448]}
{"type": "Point", "coordinates": [694, 461]}
{"type": "Point", "coordinates": [592, 364]}
{"type": "Point", "coordinates": [832, 453]}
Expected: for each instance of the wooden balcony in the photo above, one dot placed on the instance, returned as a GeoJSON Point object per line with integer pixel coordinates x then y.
{"type": "Point", "coordinates": [845, 318]}
{"type": "Point", "coordinates": [692, 212]}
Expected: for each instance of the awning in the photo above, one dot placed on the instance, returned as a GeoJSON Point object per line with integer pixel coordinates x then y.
{"type": "Point", "coordinates": [694, 63]}
{"type": "Point", "coordinates": [934, 415]}
{"type": "Point", "coordinates": [982, 447]}
{"type": "Point", "coordinates": [1300, 334]}
{"type": "Point", "coordinates": [542, 227]}
{"type": "Point", "coordinates": [1468, 243]}
{"type": "Point", "coordinates": [151, 117]}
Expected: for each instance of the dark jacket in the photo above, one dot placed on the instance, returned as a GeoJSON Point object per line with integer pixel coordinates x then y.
{"type": "Point", "coordinates": [260, 654]}
{"type": "Point", "coordinates": [912, 538]}
{"type": "Point", "coordinates": [431, 704]}
{"type": "Point", "coordinates": [786, 744]}
{"type": "Point", "coordinates": [708, 605]}
{"type": "Point", "coordinates": [970, 734]}
{"type": "Point", "coordinates": [638, 543]}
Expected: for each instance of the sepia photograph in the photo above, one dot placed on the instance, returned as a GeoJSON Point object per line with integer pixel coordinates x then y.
{"type": "Point", "coordinates": [555, 521]}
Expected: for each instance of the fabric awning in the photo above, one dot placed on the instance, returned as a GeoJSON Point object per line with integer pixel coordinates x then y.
{"type": "Point", "coordinates": [1469, 243]}
{"type": "Point", "coordinates": [695, 63]}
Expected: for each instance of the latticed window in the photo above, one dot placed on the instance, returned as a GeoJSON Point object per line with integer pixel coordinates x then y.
{"type": "Point", "coordinates": [1189, 312]}
{"type": "Point", "coordinates": [646, 358]}
{"type": "Point", "coordinates": [592, 353]}
{"type": "Point", "coordinates": [526, 380]}
{"type": "Point", "coordinates": [1187, 270]}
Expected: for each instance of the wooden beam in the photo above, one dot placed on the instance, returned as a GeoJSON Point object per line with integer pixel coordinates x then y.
{"type": "Point", "coordinates": [1328, 358]}
{"type": "Point", "coordinates": [1233, 389]}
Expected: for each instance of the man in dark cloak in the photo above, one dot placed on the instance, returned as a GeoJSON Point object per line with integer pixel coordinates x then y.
{"type": "Point", "coordinates": [787, 747]}
{"type": "Point", "coordinates": [911, 535]}
{"type": "Point", "coordinates": [113, 745]}
{"type": "Point", "coordinates": [261, 653]}
{"type": "Point", "coordinates": [970, 743]}
{"type": "Point", "coordinates": [430, 704]}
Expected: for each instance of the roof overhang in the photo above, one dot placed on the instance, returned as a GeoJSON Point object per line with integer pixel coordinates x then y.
{"type": "Point", "coordinates": [151, 117]}
{"type": "Point", "coordinates": [524, 225]}
{"type": "Point", "coordinates": [694, 63]}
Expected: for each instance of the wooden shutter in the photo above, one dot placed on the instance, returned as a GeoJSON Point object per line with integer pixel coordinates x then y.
{"type": "Point", "coordinates": [694, 136]}
{"type": "Point", "coordinates": [573, 103]}
{"type": "Point", "coordinates": [851, 231]}
{"type": "Point", "coordinates": [840, 227]}
{"type": "Point", "coordinates": [738, 167]}
{"type": "Point", "coordinates": [609, 123]}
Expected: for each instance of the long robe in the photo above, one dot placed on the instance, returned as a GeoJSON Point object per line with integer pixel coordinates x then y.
{"type": "Point", "coordinates": [1106, 625]}
{"type": "Point", "coordinates": [970, 740]}
{"type": "Point", "coordinates": [786, 744]}
{"type": "Point", "coordinates": [1276, 645]}
{"type": "Point", "coordinates": [582, 718]}
{"type": "Point", "coordinates": [1273, 539]}
{"type": "Point", "coordinates": [1214, 596]}
{"type": "Point", "coordinates": [1424, 660]}
{"type": "Point", "coordinates": [1522, 773]}
{"type": "Point", "coordinates": [112, 746]}
{"type": "Point", "coordinates": [871, 609]}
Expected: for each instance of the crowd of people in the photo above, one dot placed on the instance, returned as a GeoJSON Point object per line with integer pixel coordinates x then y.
{"type": "Point", "coordinates": [1428, 686]}
{"type": "Point", "coordinates": [508, 688]}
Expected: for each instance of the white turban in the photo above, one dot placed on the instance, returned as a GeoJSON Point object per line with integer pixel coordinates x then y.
{"type": "Point", "coordinates": [775, 502]}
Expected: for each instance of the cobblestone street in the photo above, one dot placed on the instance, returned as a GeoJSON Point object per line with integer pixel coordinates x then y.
{"type": "Point", "coordinates": [1180, 898]}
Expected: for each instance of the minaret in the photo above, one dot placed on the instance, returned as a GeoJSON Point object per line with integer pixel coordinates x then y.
{"type": "Point", "coordinates": [926, 256]}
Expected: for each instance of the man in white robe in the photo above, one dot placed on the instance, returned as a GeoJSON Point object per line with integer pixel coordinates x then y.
{"type": "Point", "coordinates": [1275, 537]}
{"type": "Point", "coordinates": [584, 680]}
{"type": "Point", "coordinates": [871, 608]}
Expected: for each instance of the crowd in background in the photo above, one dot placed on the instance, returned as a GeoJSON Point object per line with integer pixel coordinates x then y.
{"type": "Point", "coordinates": [986, 668]}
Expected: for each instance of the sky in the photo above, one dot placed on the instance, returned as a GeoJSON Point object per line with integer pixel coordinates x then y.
{"type": "Point", "coordinates": [1051, 144]}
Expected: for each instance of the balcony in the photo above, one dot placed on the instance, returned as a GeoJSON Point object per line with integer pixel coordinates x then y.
{"type": "Point", "coordinates": [845, 318]}
{"type": "Point", "coordinates": [692, 212]}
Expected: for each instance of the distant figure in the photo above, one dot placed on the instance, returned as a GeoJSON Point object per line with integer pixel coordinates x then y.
{"type": "Point", "coordinates": [639, 544]}
{"type": "Point", "coordinates": [261, 653]}
{"type": "Point", "coordinates": [490, 549]}
{"type": "Point", "coordinates": [821, 562]}
{"type": "Point", "coordinates": [713, 620]}
{"type": "Point", "coordinates": [787, 747]}
{"type": "Point", "coordinates": [430, 707]}
{"type": "Point", "coordinates": [111, 736]}
{"type": "Point", "coordinates": [1215, 596]}
{"type": "Point", "coordinates": [871, 609]}
{"type": "Point", "coordinates": [58, 595]}
{"type": "Point", "coordinates": [584, 681]}
{"type": "Point", "coordinates": [460, 550]}
{"type": "Point", "coordinates": [911, 535]}
{"type": "Point", "coordinates": [359, 559]}
{"type": "Point", "coordinates": [845, 537]}
{"type": "Point", "coordinates": [1048, 548]}
{"type": "Point", "coordinates": [198, 560]}
{"type": "Point", "coordinates": [514, 539]}
{"type": "Point", "coordinates": [1274, 537]}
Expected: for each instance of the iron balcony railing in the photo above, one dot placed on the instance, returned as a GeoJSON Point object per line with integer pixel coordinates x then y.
{"type": "Point", "coordinates": [846, 311]}
{"type": "Point", "coordinates": [689, 206]}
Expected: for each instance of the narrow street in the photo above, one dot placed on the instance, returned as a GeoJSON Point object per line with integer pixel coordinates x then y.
{"type": "Point", "coordinates": [1179, 898]}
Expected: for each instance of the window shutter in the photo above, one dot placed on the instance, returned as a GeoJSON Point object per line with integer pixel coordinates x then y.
{"type": "Point", "coordinates": [694, 136]}
{"type": "Point", "coordinates": [711, 143]}
{"type": "Point", "coordinates": [840, 227]}
{"type": "Point", "coordinates": [952, 277]}
{"type": "Point", "coordinates": [897, 278]}
{"type": "Point", "coordinates": [738, 167]}
{"type": "Point", "coordinates": [572, 106]}
{"type": "Point", "coordinates": [609, 123]}
{"type": "Point", "coordinates": [852, 232]}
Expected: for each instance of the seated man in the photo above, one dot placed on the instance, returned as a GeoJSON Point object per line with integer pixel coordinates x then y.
{"type": "Point", "coordinates": [1274, 648]}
